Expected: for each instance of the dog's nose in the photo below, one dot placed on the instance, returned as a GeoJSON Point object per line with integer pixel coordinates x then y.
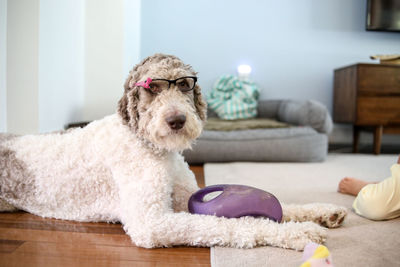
{"type": "Point", "coordinates": [176, 122]}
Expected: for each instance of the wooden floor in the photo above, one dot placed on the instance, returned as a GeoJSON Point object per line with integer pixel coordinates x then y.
{"type": "Point", "coordinates": [28, 240]}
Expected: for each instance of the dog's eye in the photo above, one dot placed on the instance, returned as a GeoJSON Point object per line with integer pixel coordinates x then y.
{"type": "Point", "coordinates": [183, 85]}
{"type": "Point", "coordinates": [155, 87]}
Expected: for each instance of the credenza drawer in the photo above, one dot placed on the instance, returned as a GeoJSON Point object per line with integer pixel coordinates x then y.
{"type": "Point", "coordinates": [378, 80]}
{"type": "Point", "coordinates": [378, 110]}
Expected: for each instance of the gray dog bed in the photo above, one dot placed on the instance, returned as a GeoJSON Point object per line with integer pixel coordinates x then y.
{"type": "Point", "coordinates": [305, 139]}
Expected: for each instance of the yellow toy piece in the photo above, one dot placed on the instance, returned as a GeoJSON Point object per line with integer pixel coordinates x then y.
{"type": "Point", "coordinates": [316, 255]}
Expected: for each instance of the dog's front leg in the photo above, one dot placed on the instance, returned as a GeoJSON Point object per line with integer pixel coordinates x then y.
{"type": "Point", "coordinates": [328, 215]}
{"type": "Point", "coordinates": [183, 186]}
{"type": "Point", "coordinates": [147, 216]}
{"type": "Point", "coordinates": [181, 194]}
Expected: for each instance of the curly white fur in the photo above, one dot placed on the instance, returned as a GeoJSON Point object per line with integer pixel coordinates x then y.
{"type": "Point", "coordinates": [127, 168]}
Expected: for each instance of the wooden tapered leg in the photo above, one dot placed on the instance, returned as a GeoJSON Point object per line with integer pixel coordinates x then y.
{"type": "Point", "coordinates": [356, 137]}
{"type": "Point", "coordinates": [378, 139]}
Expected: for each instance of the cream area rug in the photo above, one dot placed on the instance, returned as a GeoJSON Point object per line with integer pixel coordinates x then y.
{"type": "Point", "coordinates": [359, 242]}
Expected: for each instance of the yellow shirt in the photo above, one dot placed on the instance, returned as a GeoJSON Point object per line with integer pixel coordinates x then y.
{"type": "Point", "coordinates": [380, 201]}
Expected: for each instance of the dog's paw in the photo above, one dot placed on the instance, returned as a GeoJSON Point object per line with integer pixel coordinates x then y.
{"type": "Point", "coordinates": [329, 215]}
{"type": "Point", "coordinates": [294, 235]}
{"type": "Point", "coordinates": [308, 232]}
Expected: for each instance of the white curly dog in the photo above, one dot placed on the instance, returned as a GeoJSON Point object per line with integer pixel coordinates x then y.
{"type": "Point", "coordinates": [128, 168]}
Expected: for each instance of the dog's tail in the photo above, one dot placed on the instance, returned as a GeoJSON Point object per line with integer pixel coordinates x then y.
{"type": "Point", "coordinates": [4, 205]}
{"type": "Point", "coordinates": [5, 137]}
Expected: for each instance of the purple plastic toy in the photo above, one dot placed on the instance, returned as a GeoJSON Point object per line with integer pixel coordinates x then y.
{"type": "Point", "coordinates": [236, 201]}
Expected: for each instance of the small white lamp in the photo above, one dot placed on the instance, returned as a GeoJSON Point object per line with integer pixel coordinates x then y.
{"type": "Point", "coordinates": [244, 72]}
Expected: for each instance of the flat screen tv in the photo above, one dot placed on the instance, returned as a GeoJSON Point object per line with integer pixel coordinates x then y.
{"type": "Point", "coordinates": [383, 15]}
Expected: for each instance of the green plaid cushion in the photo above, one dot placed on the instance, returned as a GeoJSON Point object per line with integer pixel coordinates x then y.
{"type": "Point", "coordinates": [233, 99]}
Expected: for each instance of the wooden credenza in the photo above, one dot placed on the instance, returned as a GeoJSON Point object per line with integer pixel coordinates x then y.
{"type": "Point", "coordinates": [368, 97]}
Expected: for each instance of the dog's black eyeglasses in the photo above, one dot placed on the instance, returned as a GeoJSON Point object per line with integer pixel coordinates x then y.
{"type": "Point", "coordinates": [184, 84]}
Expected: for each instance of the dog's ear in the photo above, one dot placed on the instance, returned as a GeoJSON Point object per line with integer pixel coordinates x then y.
{"type": "Point", "coordinates": [123, 109]}
{"type": "Point", "coordinates": [200, 104]}
{"type": "Point", "coordinates": [127, 105]}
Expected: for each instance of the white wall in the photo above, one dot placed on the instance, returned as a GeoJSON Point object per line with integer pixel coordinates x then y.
{"type": "Point", "coordinates": [132, 34]}
{"type": "Point", "coordinates": [104, 53]}
{"type": "Point", "coordinates": [112, 48]}
{"type": "Point", "coordinates": [74, 68]}
{"type": "Point", "coordinates": [61, 63]}
{"type": "Point", "coordinates": [22, 66]}
{"type": "Point", "coordinates": [292, 46]}
{"type": "Point", "coordinates": [67, 60]}
{"type": "Point", "coordinates": [3, 65]}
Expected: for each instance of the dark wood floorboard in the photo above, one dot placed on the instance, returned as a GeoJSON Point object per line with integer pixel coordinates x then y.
{"type": "Point", "coordinates": [29, 240]}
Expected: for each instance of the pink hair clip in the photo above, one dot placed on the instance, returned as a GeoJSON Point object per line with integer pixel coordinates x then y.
{"type": "Point", "coordinates": [145, 84]}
